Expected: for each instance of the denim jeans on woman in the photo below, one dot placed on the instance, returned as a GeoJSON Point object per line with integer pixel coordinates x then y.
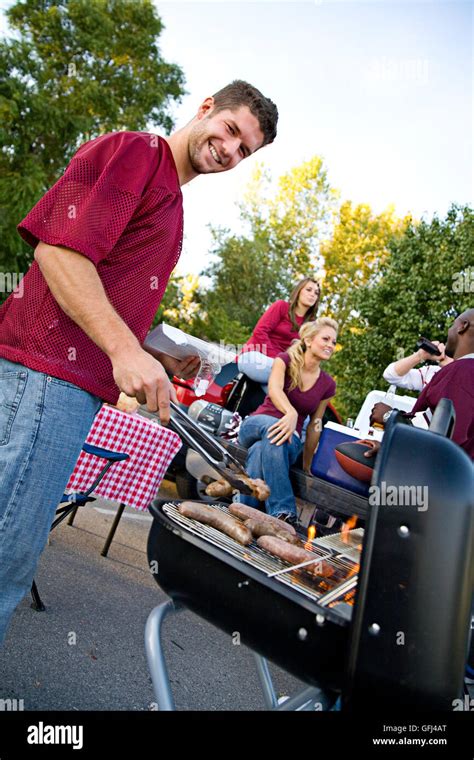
{"type": "Point", "coordinates": [43, 424]}
{"type": "Point", "coordinates": [270, 462]}
{"type": "Point", "coordinates": [257, 366]}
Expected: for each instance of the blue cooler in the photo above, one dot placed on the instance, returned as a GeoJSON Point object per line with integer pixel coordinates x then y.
{"type": "Point", "coordinates": [325, 464]}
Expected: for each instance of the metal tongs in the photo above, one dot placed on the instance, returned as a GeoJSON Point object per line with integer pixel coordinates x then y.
{"type": "Point", "coordinates": [211, 450]}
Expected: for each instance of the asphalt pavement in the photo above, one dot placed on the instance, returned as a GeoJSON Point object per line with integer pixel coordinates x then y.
{"type": "Point", "coordinates": [86, 651]}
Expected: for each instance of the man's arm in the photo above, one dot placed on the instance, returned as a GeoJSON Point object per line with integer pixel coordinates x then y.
{"type": "Point", "coordinates": [401, 372]}
{"type": "Point", "coordinates": [76, 286]}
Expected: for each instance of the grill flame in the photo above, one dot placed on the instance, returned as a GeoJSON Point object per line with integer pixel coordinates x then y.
{"type": "Point", "coordinates": [349, 525]}
{"type": "Point", "coordinates": [353, 571]}
{"type": "Point", "coordinates": [311, 536]}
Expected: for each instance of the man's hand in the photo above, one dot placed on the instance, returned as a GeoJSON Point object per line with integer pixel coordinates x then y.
{"type": "Point", "coordinates": [425, 356]}
{"type": "Point", "coordinates": [138, 374]}
{"type": "Point", "coordinates": [443, 359]}
{"type": "Point", "coordinates": [283, 428]}
{"type": "Point", "coordinates": [183, 368]}
{"type": "Point", "coordinates": [374, 450]}
{"type": "Point", "coordinates": [378, 412]}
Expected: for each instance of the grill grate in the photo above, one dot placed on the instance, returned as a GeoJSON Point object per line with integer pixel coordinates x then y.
{"type": "Point", "coordinates": [329, 548]}
{"type": "Point", "coordinates": [350, 548]}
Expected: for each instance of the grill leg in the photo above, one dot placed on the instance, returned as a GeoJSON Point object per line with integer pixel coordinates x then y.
{"type": "Point", "coordinates": [266, 682]}
{"type": "Point", "coordinates": [155, 656]}
{"type": "Point", "coordinates": [309, 700]}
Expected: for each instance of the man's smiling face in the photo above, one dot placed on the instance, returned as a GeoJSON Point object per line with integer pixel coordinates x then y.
{"type": "Point", "coordinates": [219, 141]}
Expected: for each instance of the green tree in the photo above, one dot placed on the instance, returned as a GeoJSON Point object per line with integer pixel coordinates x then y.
{"type": "Point", "coordinates": [297, 217]}
{"type": "Point", "coordinates": [424, 282]}
{"type": "Point", "coordinates": [283, 227]}
{"type": "Point", "coordinates": [74, 70]}
{"type": "Point", "coordinates": [179, 306]}
{"type": "Point", "coordinates": [354, 256]}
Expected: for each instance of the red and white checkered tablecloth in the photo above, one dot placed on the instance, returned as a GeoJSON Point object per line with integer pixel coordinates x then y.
{"type": "Point", "coordinates": [135, 481]}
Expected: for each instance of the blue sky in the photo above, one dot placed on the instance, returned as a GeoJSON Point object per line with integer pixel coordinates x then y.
{"type": "Point", "coordinates": [382, 90]}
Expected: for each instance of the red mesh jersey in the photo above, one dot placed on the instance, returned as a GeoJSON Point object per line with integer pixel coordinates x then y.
{"type": "Point", "coordinates": [120, 204]}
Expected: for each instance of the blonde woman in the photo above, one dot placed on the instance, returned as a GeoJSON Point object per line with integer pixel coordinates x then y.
{"type": "Point", "coordinates": [298, 387]}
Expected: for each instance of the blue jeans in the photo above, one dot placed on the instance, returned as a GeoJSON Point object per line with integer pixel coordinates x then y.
{"type": "Point", "coordinates": [257, 366]}
{"type": "Point", "coordinates": [270, 462]}
{"type": "Point", "coordinates": [43, 423]}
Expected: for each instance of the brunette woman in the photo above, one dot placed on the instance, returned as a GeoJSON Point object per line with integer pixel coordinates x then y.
{"type": "Point", "coordinates": [277, 328]}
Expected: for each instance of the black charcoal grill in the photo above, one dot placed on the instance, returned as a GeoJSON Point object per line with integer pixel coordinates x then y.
{"type": "Point", "coordinates": [395, 632]}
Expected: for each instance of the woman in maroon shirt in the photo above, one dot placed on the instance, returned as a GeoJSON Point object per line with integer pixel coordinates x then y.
{"type": "Point", "coordinates": [298, 387]}
{"type": "Point", "coordinates": [277, 328]}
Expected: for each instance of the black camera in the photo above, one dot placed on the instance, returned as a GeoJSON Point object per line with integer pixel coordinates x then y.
{"type": "Point", "coordinates": [428, 346]}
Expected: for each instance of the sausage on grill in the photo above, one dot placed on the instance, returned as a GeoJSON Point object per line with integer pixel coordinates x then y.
{"type": "Point", "coordinates": [267, 528]}
{"type": "Point", "coordinates": [216, 519]}
{"type": "Point", "coordinates": [249, 513]}
{"type": "Point", "coordinates": [294, 555]}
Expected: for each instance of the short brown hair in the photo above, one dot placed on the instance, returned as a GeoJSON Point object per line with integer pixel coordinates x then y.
{"type": "Point", "coordinates": [239, 93]}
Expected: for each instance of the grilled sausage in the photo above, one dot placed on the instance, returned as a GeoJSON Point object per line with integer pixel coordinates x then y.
{"type": "Point", "coordinates": [249, 513]}
{"type": "Point", "coordinates": [267, 528]}
{"type": "Point", "coordinates": [216, 519]}
{"type": "Point", "coordinates": [260, 490]}
{"type": "Point", "coordinates": [219, 489]}
{"type": "Point", "coordinates": [294, 555]}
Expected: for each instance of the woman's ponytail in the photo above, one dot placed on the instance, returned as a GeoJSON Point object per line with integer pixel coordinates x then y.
{"type": "Point", "coordinates": [298, 348]}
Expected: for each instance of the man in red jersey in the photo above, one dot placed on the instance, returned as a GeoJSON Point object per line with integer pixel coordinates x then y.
{"type": "Point", "coordinates": [106, 236]}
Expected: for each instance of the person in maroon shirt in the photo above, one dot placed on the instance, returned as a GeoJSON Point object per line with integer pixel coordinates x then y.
{"type": "Point", "coordinates": [277, 328]}
{"type": "Point", "coordinates": [298, 387]}
{"type": "Point", "coordinates": [106, 237]}
{"type": "Point", "coordinates": [454, 381]}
